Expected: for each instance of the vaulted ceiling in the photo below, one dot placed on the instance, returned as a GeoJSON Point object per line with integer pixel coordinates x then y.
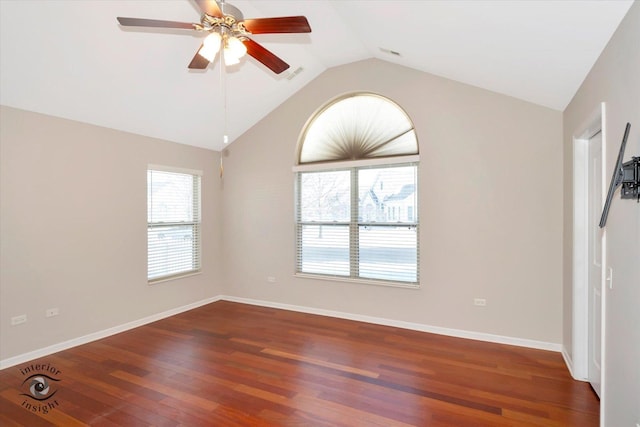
{"type": "Point", "coordinates": [71, 59]}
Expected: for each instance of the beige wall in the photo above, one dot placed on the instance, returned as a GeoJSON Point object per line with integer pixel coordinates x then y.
{"type": "Point", "coordinates": [490, 207]}
{"type": "Point", "coordinates": [73, 229]}
{"type": "Point", "coordinates": [615, 80]}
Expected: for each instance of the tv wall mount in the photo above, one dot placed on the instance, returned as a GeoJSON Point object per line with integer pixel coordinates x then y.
{"type": "Point", "coordinates": [625, 174]}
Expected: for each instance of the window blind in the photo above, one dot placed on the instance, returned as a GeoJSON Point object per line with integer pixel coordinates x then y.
{"type": "Point", "coordinates": [357, 126]}
{"type": "Point", "coordinates": [173, 224]}
{"type": "Point", "coordinates": [359, 223]}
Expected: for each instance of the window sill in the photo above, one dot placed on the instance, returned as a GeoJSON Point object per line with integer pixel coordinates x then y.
{"type": "Point", "coordinates": [174, 277]}
{"type": "Point", "coordinates": [358, 281]}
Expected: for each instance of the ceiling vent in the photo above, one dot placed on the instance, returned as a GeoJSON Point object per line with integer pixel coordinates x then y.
{"type": "Point", "coordinates": [294, 73]}
{"type": "Point", "coordinates": [389, 51]}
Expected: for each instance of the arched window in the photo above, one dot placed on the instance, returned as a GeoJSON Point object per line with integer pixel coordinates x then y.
{"type": "Point", "coordinates": [357, 126]}
{"type": "Point", "coordinates": [357, 192]}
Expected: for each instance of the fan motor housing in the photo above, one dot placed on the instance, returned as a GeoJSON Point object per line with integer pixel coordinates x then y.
{"type": "Point", "coordinates": [228, 9]}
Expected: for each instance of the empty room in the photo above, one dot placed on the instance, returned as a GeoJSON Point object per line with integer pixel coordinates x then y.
{"type": "Point", "coordinates": [319, 213]}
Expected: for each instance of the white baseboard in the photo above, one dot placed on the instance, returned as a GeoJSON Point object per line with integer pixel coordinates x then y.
{"type": "Point", "coordinates": [26, 357]}
{"type": "Point", "coordinates": [480, 336]}
{"type": "Point", "coordinates": [569, 362]}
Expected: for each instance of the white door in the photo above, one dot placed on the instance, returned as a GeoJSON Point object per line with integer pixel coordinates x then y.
{"type": "Point", "coordinates": [595, 261]}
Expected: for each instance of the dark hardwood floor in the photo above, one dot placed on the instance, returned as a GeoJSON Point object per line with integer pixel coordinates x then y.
{"type": "Point", "coordinates": [228, 364]}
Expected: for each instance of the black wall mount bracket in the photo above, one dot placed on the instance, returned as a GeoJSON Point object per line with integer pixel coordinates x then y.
{"type": "Point", "coordinates": [630, 179]}
{"type": "Point", "coordinates": [625, 174]}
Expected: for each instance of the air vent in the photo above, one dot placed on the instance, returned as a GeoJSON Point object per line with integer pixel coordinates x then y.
{"type": "Point", "coordinates": [389, 51]}
{"type": "Point", "coordinates": [294, 73]}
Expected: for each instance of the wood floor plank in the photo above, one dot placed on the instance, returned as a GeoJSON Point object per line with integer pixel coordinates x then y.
{"type": "Point", "coordinates": [319, 362]}
{"type": "Point", "coordinates": [169, 391]}
{"type": "Point", "coordinates": [230, 364]}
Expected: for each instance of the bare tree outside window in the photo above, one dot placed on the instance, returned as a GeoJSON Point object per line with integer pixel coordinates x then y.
{"type": "Point", "coordinates": [325, 196]}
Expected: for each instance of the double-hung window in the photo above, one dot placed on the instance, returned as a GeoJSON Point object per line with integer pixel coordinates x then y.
{"type": "Point", "coordinates": [357, 193]}
{"type": "Point", "coordinates": [173, 223]}
{"type": "Point", "coordinates": [359, 223]}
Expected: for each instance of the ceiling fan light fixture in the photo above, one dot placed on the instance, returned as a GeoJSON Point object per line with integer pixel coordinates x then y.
{"type": "Point", "coordinates": [230, 59]}
{"type": "Point", "coordinates": [210, 46]}
{"type": "Point", "coordinates": [213, 40]}
{"type": "Point", "coordinates": [208, 53]}
{"type": "Point", "coordinates": [234, 48]}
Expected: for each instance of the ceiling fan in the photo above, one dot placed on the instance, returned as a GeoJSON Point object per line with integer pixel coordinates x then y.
{"type": "Point", "coordinates": [229, 33]}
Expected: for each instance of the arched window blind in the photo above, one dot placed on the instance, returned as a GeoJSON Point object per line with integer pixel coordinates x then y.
{"type": "Point", "coordinates": [357, 193]}
{"type": "Point", "coordinates": [355, 127]}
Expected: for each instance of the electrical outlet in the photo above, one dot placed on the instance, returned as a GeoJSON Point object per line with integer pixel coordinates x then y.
{"type": "Point", "coordinates": [52, 312]}
{"type": "Point", "coordinates": [17, 320]}
{"type": "Point", "coordinates": [481, 302]}
{"type": "Point", "coordinates": [271, 279]}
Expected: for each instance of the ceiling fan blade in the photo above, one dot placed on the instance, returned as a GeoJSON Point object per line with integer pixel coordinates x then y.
{"type": "Point", "coordinates": [210, 7]}
{"type": "Point", "coordinates": [199, 62]}
{"type": "Point", "coordinates": [137, 22]}
{"type": "Point", "coordinates": [287, 24]}
{"type": "Point", "coordinates": [263, 55]}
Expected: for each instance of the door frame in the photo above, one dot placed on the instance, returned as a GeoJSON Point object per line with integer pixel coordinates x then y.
{"type": "Point", "coordinates": [580, 304]}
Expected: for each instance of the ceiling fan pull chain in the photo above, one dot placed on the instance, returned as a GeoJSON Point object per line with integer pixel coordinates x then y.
{"type": "Point", "coordinates": [223, 89]}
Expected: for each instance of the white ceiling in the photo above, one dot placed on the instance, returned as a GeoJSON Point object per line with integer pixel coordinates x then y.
{"type": "Point", "coordinates": [71, 59]}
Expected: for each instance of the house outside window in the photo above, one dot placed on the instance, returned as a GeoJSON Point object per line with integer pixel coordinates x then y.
{"type": "Point", "coordinates": [356, 193]}
{"type": "Point", "coordinates": [173, 223]}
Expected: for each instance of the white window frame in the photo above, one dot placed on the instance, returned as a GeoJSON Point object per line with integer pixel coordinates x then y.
{"type": "Point", "coordinates": [196, 223]}
{"type": "Point", "coordinates": [354, 223]}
